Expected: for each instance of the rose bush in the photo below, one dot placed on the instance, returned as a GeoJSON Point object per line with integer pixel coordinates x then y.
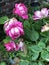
{"type": "Point", "coordinates": [26, 36]}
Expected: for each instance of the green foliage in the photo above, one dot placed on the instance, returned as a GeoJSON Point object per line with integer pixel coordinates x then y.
{"type": "Point", "coordinates": [40, 63]}
{"type": "Point", "coordinates": [35, 56]}
{"type": "Point", "coordinates": [45, 34]}
{"type": "Point", "coordinates": [31, 34]}
{"type": "Point", "coordinates": [2, 63]}
{"type": "Point", "coordinates": [42, 44]}
{"type": "Point", "coordinates": [3, 19]}
{"type": "Point", "coordinates": [24, 62]}
{"type": "Point", "coordinates": [7, 39]}
{"type": "Point", "coordinates": [34, 36]}
{"type": "Point", "coordinates": [47, 48]}
{"type": "Point", "coordinates": [33, 63]}
{"type": "Point", "coordinates": [26, 24]}
{"type": "Point", "coordinates": [45, 55]}
{"type": "Point", "coordinates": [36, 48]}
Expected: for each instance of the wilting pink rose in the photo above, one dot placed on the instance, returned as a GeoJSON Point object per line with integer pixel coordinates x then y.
{"type": "Point", "coordinates": [21, 10]}
{"type": "Point", "coordinates": [44, 12]}
{"type": "Point", "coordinates": [14, 46]}
{"type": "Point", "coordinates": [45, 28]}
{"type": "Point", "coordinates": [41, 14]}
{"type": "Point", "coordinates": [10, 45]}
{"type": "Point", "coordinates": [37, 15]}
{"type": "Point", "coordinates": [14, 28]}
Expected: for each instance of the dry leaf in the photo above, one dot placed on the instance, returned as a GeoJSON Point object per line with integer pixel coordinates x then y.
{"type": "Point", "coordinates": [16, 60]}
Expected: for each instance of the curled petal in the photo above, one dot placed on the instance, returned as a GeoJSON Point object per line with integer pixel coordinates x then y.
{"type": "Point", "coordinates": [44, 12]}
{"type": "Point", "coordinates": [45, 28]}
{"type": "Point", "coordinates": [38, 14]}
{"type": "Point", "coordinates": [41, 14]}
{"type": "Point", "coordinates": [17, 47]}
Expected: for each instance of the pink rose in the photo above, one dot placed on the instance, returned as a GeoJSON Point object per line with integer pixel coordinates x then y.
{"type": "Point", "coordinates": [37, 15]}
{"type": "Point", "coordinates": [21, 10]}
{"type": "Point", "coordinates": [14, 46]}
{"type": "Point", "coordinates": [14, 28]}
{"type": "Point", "coordinates": [44, 12]}
{"type": "Point", "coordinates": [10, 45]}
{"type": "Point", "coordinates": [41, 14]}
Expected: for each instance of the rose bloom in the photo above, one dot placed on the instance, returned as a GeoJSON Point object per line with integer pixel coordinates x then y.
{"type": "Point", "coordinates": [14, 46]}
{"type": "Point", "coordinates": [41, 14]}
{"type": "Point", "coordinates": [14, 28]}
{"type": "Point", "coordinates": [21, 10]}
{"type": "Point", "coordinates": [11, 46]}
{"type": "Point", "coordinates": [45, 28]}
{"type": "Point", "coordinates": [44, 12]}
{"type": "Point", "coordinates": [37, 15]}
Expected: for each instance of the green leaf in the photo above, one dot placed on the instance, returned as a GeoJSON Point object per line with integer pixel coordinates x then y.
{"type": "Point", "coordinates": [31, 34]}
{"type": "Point", "coordinates": [7, 39]}
{"type": "Point", "coordinates": [45, 34]}
{"type": "Point", "coordinates": [47, 48]}
{"type": "Point", "coordinates": [45, 55]}
{"type": "Point", "coordinates": [37, 25]}
{"type": "Point", "coordinates": [3, 19]}
{"type": "Point", "coordinates": [21, 55]}
{"type": "Point", "coordinates": [35, 56]}
{"type": "Point", "coordinates": [2, 63]}
{"type": "Point", "coordinates": [33, 63]}
{"type": "Point", "coordinates": [34, 35]}
{"type": "Point", "coordinates": [40, 63]}
{"type": "Point", "coordinates": [36, 48]}
{"type": "Point", "coordinates": [20, 19]}
{"type": "Point", "coordinates": [41, 44]}
{"type": "Point", "coordinates": [26, 24]}
{"type": "Point", "coordinates": [47, 39]}
{"type": "Point", "coordinates": [27, 32]}
{"type": "Point", "coordinates": [24, 62]}
{"type": "Point", "coordinates": [30, 18]}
